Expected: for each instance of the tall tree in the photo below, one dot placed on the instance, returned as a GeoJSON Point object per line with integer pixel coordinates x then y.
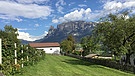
{"type": "Point", "coordinates": [68, 45]}
{"type": "Point", "coordinates": [117, 34]}
{"type": "Point", "coordinates": [12, 33]}
{"type": "Point", "coordinates": [71, 39]}
{"type": "Point", "coordinates": [89, 45]}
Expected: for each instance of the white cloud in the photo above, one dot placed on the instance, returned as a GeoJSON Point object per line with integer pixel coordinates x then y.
{"type": "Point", "coordinates": [112, 5]}
{"type": "Point", "coordinates": [71, 3]}
{"type": "Point", "coordinates": [13, 11]}
{"type": "Point", "coordinates": [55, 21]}
{"type": "Point", "coordinates": [22, 29]}
{"type": "Point", "coordinates": [46, 26]}
{"type": "Point", "coordinates": [119, 5]}
{"type": "Point", "coordinates": [60, 2]}
{"type": "Point", "coordinates": [74, 15]}
{"type": "Point", "coordinates": [37, 25]}
{"type": "Point", "coordinates": [28, 37]}
{"type": "Point", "coordinates": [82, 5]}
{"type": "Point", "coordinates": [81, 14]}
{"type": "Point", "coordinates": [9, 17]}
{"type": "Point", "coordinates": [73, 9]}
{"type": "Point", "coordinates": [109, 6]}
{"type": "Point", "coordinates": [59, 5]}
{"type": "Point", "coordinates": [129, 4]}
{"type": "Point", "coordinates": [31, 1]}
{"type": "Point", "coordinates": [60, 9]}
{"type": "Point", "coordinates": [85, 0]}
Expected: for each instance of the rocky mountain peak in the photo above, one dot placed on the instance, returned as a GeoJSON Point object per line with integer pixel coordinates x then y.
{"type": "Point", "coordinates": [51, 30]}
{"type": "Point", "coordinates": [78, 29]}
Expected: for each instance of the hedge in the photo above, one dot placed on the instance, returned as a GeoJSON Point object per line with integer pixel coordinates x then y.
{"type": "Point", "coordinates": [106, 62]}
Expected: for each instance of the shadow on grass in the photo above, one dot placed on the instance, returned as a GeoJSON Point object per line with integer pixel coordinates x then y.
{"type": "Point", "coordinates": [84, 63]}
{"type": "Point", "coordinates": [78, 62]}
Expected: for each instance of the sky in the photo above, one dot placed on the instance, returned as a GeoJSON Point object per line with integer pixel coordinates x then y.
{"type": "Point", "coordinates": [33, 18]}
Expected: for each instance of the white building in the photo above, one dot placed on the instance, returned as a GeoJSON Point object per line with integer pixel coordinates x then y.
{"type": "Point", "coordinates": [49, 48]}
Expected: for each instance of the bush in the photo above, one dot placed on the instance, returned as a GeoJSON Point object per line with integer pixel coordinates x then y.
{"type": "Point", "coordinates": [76, 53]}
{"type": "Point", "coordinates": [112, 64]}
{"type": "Point", "coordinates": [107, 62]}
{"type": "Point", "coordinates": [9, 67]}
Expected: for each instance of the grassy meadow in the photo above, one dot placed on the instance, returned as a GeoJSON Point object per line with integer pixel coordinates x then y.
{"type": "Point", "coordinates": [66, 66]}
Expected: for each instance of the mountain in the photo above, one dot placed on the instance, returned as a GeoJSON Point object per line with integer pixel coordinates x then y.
{"type": "Point", "coordinates": [25, 41]}
{"type": "Point", "coordinates": [78, 29]}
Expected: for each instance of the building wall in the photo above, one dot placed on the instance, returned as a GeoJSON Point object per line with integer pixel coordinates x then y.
{"type": "Point", "coordinates": [51, 50]}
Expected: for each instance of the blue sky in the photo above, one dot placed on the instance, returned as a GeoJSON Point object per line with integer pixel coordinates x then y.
{"type": "Point", "coordinates": [34, 17]}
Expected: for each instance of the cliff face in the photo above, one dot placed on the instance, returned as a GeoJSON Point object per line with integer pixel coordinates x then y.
{"type": "Point", "coordinates": [78, 29]}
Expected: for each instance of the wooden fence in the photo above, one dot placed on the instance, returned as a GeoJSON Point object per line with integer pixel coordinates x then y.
{"type": "Point", "coordinates": [15, 57]}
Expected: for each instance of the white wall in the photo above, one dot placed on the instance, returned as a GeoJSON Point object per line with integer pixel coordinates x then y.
{"type": "Point", "coordinates": [51, 50]}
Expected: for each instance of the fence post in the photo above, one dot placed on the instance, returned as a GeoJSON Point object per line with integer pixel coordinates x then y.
{"type": "Point", "coordinates": [15, 54]}
{"type": "Point", "coordinates": [22, 57]}
{"type": "Point", "coordinates": [27, 56]}
{"type": "Point", "coordinates": [0, 51]}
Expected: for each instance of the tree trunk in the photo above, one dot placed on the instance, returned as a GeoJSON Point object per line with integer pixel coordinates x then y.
{"type": "Point", "coordinates": [128, 58]}
{"type": "Point", "coordinates": [127, 61]}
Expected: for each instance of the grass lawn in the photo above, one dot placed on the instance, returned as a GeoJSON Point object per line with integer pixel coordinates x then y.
{"type": "Point", "coordinates": [67, 66]}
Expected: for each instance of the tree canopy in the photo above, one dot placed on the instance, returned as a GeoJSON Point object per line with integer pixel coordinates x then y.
{"type": "Point", "coordinates": [117, 34]}
{"type": "Point", "coordinates": [67, 45]}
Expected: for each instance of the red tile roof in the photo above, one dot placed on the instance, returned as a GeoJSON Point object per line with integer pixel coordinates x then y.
{"type": "Point", "coordinates": [39, 45]}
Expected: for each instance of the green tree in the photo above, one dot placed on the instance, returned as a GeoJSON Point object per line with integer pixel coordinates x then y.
{"type": "Point", "coordinates": [89, 45]}
{"type": "Point", "coordinates": [68, 45]}
{"type": "Point", "coordinates": [12, 33]}
{"type": "Point", "coordinates": [117, 34]}
{"type": "Point", "coordinates": [71, 40]}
